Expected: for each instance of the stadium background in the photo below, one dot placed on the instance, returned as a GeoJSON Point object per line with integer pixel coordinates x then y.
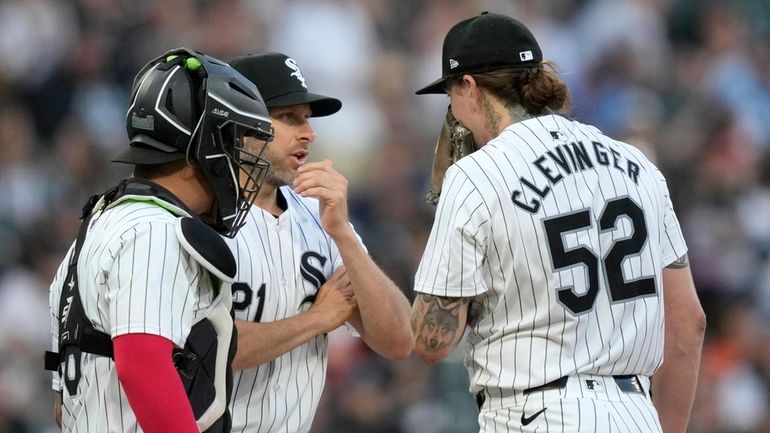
{"type": "Point", "coordinates": [688, 81]}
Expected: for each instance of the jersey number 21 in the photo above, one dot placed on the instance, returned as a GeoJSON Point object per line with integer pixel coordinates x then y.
{"type": "Point", "coordinates": [243, 296]}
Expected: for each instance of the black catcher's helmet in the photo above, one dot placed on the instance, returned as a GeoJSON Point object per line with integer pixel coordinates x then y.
{"type": "Point", "coordinates": [185, 104]}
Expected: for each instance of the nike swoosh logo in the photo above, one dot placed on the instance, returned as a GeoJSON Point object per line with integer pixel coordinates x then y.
{"type": "Point", "coordinates": [526, 420]}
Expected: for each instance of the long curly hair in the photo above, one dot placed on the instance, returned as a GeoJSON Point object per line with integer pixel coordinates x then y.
{"type": "Point", "coordinates": [539, 90]}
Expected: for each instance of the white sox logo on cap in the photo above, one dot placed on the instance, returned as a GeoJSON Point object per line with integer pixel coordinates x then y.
{"type": "Point", "coordinates": [292, 64]}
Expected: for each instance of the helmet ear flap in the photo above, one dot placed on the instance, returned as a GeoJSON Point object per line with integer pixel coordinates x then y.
{"type": "Point", "coordinates": [220, 167]}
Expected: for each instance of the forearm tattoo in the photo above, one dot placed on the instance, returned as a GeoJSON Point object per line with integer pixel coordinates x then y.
{"type": "Point", "coordinates": [681, 262]}
{"type": "Point", "coordinates": [440, 321]}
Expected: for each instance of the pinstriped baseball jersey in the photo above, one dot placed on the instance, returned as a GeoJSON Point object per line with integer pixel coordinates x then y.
{"type": "Point", "coordinates": [134, 277]}
{"type": "Point", "coordinates": [560, 235]}
{"type": "Point", "coordinates": [281, 264]}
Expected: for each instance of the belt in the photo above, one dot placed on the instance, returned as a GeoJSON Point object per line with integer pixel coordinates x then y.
{"type": "Point", "coordinates": [626, 383]}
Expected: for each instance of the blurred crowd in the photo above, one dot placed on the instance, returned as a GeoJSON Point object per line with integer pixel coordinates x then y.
{"type": "Point", "coordinates": [687, 81]}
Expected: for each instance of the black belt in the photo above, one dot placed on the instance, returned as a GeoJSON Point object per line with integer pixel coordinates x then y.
{"type": "Point", "coordinates": [626, 383]}
{"type": "Point", "coordinates": [559, 383]}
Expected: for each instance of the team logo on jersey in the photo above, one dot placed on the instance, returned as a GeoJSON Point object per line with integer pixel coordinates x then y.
{"type": "Point", "coordinates": [594, 385]}
{"type": "Point", "coordinates": [312, 274]}
{"type": "Point", "coordinates": [558, 136]}
{"type": "Point", "coordinates": [311, 268]}
{"type": "Point", "coordinates": [292, 64]}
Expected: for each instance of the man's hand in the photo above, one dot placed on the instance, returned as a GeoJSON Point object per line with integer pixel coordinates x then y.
{"type": "Point", "coordinates": [262, 342]}
{"type": "Point", "coordinates": [335, 301]}
{"type": "Point", "coordinates": [322, 181]}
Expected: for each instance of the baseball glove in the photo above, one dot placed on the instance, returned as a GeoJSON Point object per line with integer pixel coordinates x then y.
{"type": "Point", "coordinates": [454, 142]}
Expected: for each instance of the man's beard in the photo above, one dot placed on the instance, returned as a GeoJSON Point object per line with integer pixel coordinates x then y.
{"type": "Point", "coordinates": [279, 176]}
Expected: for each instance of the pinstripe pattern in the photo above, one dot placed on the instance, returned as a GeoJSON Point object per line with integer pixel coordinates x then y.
{"type": "Point", "coordinates": [489, 242]}
{"type": "Point", "coordinates": [282, 395]}
{"type": "Point", "coordinates": [134, 278]}
{"type": "Point", "coordinates": [605, 409]}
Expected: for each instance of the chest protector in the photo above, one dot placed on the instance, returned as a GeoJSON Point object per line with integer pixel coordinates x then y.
{"type": "Point", "coordinates": [204, 364]}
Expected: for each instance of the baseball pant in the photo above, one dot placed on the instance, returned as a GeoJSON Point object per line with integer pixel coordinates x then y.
{"type": "Point", "coordinates": [581, 403]}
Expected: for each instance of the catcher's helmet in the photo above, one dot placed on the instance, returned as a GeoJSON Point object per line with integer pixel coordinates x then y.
{"type": "Point", "coordinates": [185, 104]}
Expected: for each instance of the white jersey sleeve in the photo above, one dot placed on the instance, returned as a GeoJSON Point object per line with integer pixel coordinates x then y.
{"type": "Point", "coordinates": [456, 247]}
{"type": "Point", "coordinates": [673, 246]}
{"type": "Point", "coordinates": [150, 283]}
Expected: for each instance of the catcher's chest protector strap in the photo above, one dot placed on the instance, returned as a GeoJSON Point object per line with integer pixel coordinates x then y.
{"type": "Point", "coordinates": [76, 333]}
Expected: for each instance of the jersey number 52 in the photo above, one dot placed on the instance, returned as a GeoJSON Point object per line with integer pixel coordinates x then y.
{"type": "Point", "coordinates": [620, 290]}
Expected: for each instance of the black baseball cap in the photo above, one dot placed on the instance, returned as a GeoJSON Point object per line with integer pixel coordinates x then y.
{"type": "Point", "coordinates": [281, 83]}
{"type": "Point", "coordinates": [485, 43]}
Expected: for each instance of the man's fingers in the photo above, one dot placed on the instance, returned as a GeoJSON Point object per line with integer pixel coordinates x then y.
{"type": "Point", "coordinates": [346, 289]}
{"type": "Point", "coordinates": [318, 165]}
{"type": "Point", "coordinates": [338, 274]}
{"type": "Point", "coordinates": [327, 180]}
{"type": "Point", "coordinates": [320, 192]}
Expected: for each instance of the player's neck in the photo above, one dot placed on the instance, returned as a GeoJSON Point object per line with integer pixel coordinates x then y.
{"type": "Point", "coordinates": [267, 199]}
{"type": "Point", "coordinates": [517, 114]}
{"type": "Point", "coordinates": [189, 186]}
{"type": "Point", "coordinates": [494, 116]}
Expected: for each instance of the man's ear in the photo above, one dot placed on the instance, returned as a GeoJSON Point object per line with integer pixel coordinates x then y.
{"type": "Point", "coordinates": [474, 91]}
{"type": "Point", "coordinates": [469, 82]}
{"type": "Point", "coordinates": [189, 172]}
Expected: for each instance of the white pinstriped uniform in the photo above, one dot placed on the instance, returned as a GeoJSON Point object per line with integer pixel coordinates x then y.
{"type": "Point", "coordinates": [134, 277]}
{"type": "Point", "coordinates": [283, 261]}
{"type": "Point", "coordinates": [546, 207]}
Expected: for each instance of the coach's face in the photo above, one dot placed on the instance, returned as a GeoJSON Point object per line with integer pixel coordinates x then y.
{"type": "Point", "coordinates": [291, 143]}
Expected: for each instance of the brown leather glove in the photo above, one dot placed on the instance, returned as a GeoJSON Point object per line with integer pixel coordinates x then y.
{"type": "Point", "coordinates": [454, 142]}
